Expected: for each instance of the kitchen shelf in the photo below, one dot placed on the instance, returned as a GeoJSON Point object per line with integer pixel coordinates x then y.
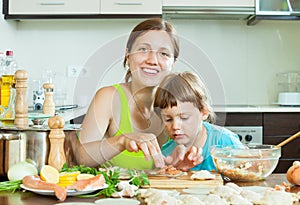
{"type": "Point", "coordinates": [256, 18]}
{"type": "Point", "coordinates": [77, 16]}
{"type": "Point", "coordinates": [69, 9]}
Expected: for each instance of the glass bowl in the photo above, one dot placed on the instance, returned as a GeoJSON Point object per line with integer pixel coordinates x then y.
{"type": "Point", "coordinates": [245, 162]}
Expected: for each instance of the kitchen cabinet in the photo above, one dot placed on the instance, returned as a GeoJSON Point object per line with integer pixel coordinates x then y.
{"type": "Point", "coordinates": [278, 127]}
{"type": "Point", "coordinates": [53, 7]}
{"type": "Point", "coordinates": [61, 9]}
{"type": "Point", "coordinates": [239, 119]}
{"type": "Point", "coordinates": [275, 10]}
{"type": "Point", "coordinates": [231, 3]}
{"type": "Point", "coordinates": [209, 9]}
{"type": "Point", "coordinates": [277, 7]}
{"type": "Point", "coordinates": [131, 7]}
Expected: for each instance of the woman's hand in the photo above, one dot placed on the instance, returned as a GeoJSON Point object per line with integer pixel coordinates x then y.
{"type": "Point", "coordinates": [184, 158]}
{"type": "Point", "coordinates": [147, 143]}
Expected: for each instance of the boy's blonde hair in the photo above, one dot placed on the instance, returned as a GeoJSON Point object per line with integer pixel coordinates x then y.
{"type": "Point", "coordinates": [183, 87]}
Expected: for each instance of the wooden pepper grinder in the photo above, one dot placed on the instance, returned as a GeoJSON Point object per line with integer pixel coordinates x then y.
{"type": "Point", "coordinates": [57, 156]}
{"type": "Point", "coordinates": [48, 105]}
{"type": "Point", "coordinates": [21, 104]}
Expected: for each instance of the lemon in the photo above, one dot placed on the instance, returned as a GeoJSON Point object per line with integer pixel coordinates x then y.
{"type": "Point", "coordinates": [49, 174]}
{"type": "Point", "coordinates": [84, 176]}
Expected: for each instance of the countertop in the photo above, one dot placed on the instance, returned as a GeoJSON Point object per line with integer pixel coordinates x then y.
{"type": "Point", "coordinates": [239, 108]}
{"type": "Point", "coordinates": [68, 115]}
{"type": "Point", "coordinates": [29, 198]}
{"type": "Point", "coordinates": [255, 108]}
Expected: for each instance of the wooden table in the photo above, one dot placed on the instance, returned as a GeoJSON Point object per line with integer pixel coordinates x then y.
{"type": "Point", "coordinates": [29, 198]}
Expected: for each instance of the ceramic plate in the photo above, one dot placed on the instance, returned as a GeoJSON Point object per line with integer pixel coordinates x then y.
{"type": "Point", "coordinates": [69, 192]}
{"type": "Point", "coordinates": [117, 201]}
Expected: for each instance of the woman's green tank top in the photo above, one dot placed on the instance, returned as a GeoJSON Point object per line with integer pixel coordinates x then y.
{"type": "Point", "coordinates": [128, 159]}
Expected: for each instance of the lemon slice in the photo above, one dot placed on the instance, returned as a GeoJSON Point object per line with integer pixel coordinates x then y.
{"type": "Point", "coordinates": [64, 184]}
{"type": "Point", "coordinates": [68, 176]}
{"type": "Point", "coordinates": [84, 176]}
{"type": "Point", "coordinates": [49, 174]}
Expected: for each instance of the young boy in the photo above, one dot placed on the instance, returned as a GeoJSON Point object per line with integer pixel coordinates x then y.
{"type": "Point", "coordinates": [182, 102]}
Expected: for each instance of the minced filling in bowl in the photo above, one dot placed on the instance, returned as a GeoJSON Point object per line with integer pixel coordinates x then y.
{"type": "Point", "coordinates": [245, 162]}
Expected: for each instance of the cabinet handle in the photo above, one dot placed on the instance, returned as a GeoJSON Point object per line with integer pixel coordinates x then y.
{"type": "Point", "coordinates": [129, 3]}
{"type": "Point", "coordinates": [52, 4]}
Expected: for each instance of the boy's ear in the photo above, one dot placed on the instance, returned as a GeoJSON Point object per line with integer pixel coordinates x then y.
{"type": "Point", "coordinates": [205, 114]}
{"type": "Point", "coordinates": [126, 56]}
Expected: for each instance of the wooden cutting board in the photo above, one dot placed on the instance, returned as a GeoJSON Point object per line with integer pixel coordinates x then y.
{"type": "Point", "coordinates": [181, 182]}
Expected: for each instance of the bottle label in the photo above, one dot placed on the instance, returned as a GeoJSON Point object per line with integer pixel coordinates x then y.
{"type": "Point", "coordinates": [7, 82]}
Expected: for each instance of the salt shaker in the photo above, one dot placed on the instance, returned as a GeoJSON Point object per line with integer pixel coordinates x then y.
{"type": "Point", "coordinates": [48, 105]}
{"type": "Point", "coordinates": [57, 156]}
{"type": "Point", "coordinates": [21, 104]}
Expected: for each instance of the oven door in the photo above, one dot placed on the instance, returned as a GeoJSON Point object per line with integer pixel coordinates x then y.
{"type": "Point", "coordinates": [248, 134]}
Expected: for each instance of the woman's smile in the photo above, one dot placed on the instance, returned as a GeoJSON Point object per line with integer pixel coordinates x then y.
{"type": "Point", "coordinates": [150, 70]}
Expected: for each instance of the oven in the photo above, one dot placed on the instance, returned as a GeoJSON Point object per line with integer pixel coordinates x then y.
{"type": "Point", "coordinates": [248, 134]}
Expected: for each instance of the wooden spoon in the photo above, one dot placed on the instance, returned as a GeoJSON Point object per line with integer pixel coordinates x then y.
{"type": "Point", "coordinates": [288, 140]}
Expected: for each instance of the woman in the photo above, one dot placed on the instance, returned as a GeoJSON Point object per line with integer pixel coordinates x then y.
{"type": "Point", "coordinates": [120, 125]}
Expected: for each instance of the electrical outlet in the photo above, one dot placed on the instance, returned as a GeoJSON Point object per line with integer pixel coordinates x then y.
{"type": "Point", "coordinates": [73, 71]}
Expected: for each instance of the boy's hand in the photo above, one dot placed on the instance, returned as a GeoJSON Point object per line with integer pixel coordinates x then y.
{"type": "Point", "coordinates": [184, 158]}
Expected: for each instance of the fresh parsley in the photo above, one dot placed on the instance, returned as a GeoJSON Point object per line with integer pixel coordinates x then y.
{"type": "Point", "coordinates": [138, 178]}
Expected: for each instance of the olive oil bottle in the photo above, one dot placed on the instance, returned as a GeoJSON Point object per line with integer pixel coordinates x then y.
{"type": "Point", "coordinates": [1, 70]}
{"type": "Point", "coordinates": [8, 77]}
{"type": "Point", "coordinates": [7, 83]}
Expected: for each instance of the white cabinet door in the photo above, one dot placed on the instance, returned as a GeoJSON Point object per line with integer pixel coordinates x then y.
{"type": "Point", "coordinates": [54, 7]}
{"type": "Point", "coordinates": [131, 6]}
{"type": "Point", "coordinates": [231, 3]}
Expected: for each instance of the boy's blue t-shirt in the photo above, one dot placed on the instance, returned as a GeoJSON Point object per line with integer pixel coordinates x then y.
{"type": "Point", "coordinates": [216, 135]}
